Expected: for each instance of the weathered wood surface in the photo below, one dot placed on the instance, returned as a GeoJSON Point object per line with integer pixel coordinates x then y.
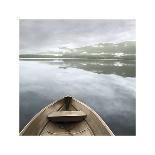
{"type": "Point", "coordinates": [95, 122]}
{"type": "Point", "coordinates": [67, 116]}
{"type": "Point", "coordinates": [91, 125]}
{"type": "Point", "coordinates": [38, 122]}
{"type": "Point", "coordinates": [71, 129]}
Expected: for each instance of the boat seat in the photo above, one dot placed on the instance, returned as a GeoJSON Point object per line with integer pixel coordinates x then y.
{"type": "Point", "coordinates": [67, 116]}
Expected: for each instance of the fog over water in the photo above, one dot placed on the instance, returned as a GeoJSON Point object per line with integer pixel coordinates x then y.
{"type": "Point", "coordinates": [111, 96]}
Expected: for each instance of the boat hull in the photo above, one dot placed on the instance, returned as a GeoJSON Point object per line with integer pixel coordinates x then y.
{"type": "Point", "coordinates": [92, 125]}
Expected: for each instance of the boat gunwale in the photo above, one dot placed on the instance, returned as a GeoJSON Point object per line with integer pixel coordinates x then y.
{"type": "Point", "coordinates": [97, 115]}
{"type": "Point", "coordinates": [37, 114]}
{"type": "Point", "coordinates": [58, 100]}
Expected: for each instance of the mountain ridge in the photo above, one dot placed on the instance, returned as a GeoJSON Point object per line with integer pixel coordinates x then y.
{"type": "Point", "coordinates": [100, 50]}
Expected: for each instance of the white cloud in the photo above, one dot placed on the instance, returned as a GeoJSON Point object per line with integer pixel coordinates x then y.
{"type": "Point", "coordinates": [47, 34]}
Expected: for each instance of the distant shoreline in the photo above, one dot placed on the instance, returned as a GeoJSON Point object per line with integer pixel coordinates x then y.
{"type": "Point", "coordinates": [74, 59]}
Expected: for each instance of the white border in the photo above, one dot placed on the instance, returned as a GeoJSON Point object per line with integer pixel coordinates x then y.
{"type": "Point", "coordinates": [142, 11]}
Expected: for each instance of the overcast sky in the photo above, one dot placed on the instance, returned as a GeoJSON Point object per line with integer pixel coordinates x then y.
{"type": "Point", "coordinates": [50, 34]}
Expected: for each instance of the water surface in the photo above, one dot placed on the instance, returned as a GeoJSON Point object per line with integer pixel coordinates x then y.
{"type": "Point", "coordinates": [107, 86]}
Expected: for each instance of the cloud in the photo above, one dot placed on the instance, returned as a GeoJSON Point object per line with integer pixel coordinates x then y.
{"type": "Point", "coordinates": [47, 34]}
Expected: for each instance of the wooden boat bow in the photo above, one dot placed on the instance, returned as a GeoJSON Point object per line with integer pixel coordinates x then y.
{"type": "Point", "coordinates": [67, 116]}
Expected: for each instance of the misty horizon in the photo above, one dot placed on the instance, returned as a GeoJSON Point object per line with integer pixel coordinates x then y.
{"type": "Point", "coordinates": [44, 35]}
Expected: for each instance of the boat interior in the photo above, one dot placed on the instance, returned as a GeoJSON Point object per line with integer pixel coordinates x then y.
{"type": "Point", "coordinates": [66, 117]}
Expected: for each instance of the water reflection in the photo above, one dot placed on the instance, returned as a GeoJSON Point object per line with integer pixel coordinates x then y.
{"type": "Point", "coordinates": [111, 96]}
{"type": "Point", "coordinates": [124, 68]}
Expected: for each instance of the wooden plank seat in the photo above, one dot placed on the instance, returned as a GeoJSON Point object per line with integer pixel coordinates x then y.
{"type": "Point", "coordinates": [67, 116]}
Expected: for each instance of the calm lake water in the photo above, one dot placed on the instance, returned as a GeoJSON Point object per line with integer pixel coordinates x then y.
{"type": "Point", "coordinates": [107, 86]}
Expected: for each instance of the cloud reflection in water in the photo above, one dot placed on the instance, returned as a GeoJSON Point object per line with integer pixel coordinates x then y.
{"type": "Point", "coordinates": [111, 96]}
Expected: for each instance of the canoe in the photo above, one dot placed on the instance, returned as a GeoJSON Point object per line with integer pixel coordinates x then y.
{"type": "Point", "coordinates": [66, 117]}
